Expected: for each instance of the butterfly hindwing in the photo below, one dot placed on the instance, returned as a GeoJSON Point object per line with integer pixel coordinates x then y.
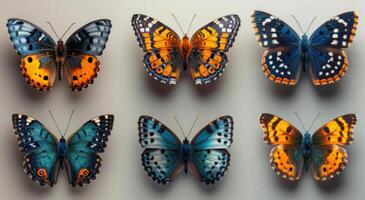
{"type": "Point", "coordinates": [207, 59]}
{"type": "Point", "coordinates": [41, 160]}
{"type": "Point", "coordinates": [163, 59]}
{"type": "Point", "coordinates": [83, 161]}
{"type": "Point", "coordinates": [210, 159]}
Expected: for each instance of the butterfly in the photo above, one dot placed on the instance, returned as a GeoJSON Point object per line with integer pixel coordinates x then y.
{"type": "Point", "coordinates": [322, 55]}
{"type": "Point", "coordinates": [323, 152]}
{"type": "Point", "coordinates": [204, 54]}
{"type": "Point", "coordinates": [42, 58]}
{"type": "Point", "coordinates": [165, 155]}
{"type": "Point", "coordinates": [45, 155]}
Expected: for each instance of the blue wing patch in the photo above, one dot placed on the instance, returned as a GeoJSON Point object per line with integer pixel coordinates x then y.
{"type": "Point", "coordinates": [83, 162]}
{"type": "Point", "coordinates": [161, 164]}
{"type": "Point", "coordinates": [216, 135]}
{"type": "Point", "coordinates": [91, 38]}
{"type": "Point", "coordinates": [270, 31]}
{"type": "Point", "coordinates": [338, 32]}
{"type": "Point", "coordinates": [41, 160]}
{"type": "Point", "coordinates": [210, 165]}
{"type": "Point", "coordinates": [155, 135]}
{"type": "Point", "coordinates": [29, 39]}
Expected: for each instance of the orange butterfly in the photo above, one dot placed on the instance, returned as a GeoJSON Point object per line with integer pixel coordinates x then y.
{"type": "Point", "coordinates": [43, 58]}
{"type": "Point", "coordinates": [204, 54]}
{"type": "Point", "coordinates": [324, 151]}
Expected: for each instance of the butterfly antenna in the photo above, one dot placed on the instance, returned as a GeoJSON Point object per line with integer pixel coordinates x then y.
{"type": "Point", "coordinates": [53, 29]}
{"type": "Point", "coordinates": [178, 23]}
{"type": "Point", "coordinates": [191, 23]}
{"type": "Point", "coordinates": [196, 119]}
{"type": "Point", "coordinates": [178, 123]}
{"type": "Point", "coordinates": [67, 30]}
{"type": "Point", "coordinates": [300, 121]}
{"type": "Point", "coordinates": [314, 121]}
{"type": "Point", "coordinates": [311, 24]}
{"type": "Point", "coordinates": [68, 123]}
{"type": "Point", "coordinates": [298, 23]}
{"type": "Point", "coordinates": [59, 130]}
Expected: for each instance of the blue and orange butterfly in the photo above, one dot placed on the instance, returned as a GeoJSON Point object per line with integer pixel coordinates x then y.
{"type": "Point", "coordinates": [165, 156]}
{"type": "Point", "coordinates": [204, 55]}
{"type": "Point", "coordinates": [323, 152]}
{"type": "Point", "coordinates": [46, 155]}
{"type": "Point", "coordinates": [43, 58]}
{"type": "Point", "coordinates": [322, 55]}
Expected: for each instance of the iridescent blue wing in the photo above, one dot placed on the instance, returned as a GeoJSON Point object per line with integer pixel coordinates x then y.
{"type": "Point", "coordinates": [40, 146]}
{"type": "Point", "coordinates": [29, 39]}
{"type": "Point", "coordinates": [210, 159]}
{"type": "Point", "coordinates": [327, 59]}
{"type": "Point", "coordinates": [162, 156]}
{"type": "Point", "coordinates": [281, 59]}
{"type": "Point", "coordinates": [83, 161]}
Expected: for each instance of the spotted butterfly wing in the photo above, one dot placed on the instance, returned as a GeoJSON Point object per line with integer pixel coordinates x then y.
{"type": "Point", "coordinates": [41, 162]}
{"type": "Point", "coordinates": [281, 59]}
{"type": "Point", "coordinates": [163, 60]}
{"type": "Point", "coordinates": [82, 48]}
{"type": "Point", "coordinates": [83, 162]}
{"type": "Point", "coordinates": [37, 49]}
{"type": "Point", "coordinates": [210, 158]}
{"type": "Point", "coordinates": [161, 158]}
{"type": "Point", "coordinates": [328, 60]}
{"type": "Point", "coordinates": [329, 157]}
{"type": "Point", "coordinates": [286, 157]}
{"type": "Point", "coordinates": [207, 58]}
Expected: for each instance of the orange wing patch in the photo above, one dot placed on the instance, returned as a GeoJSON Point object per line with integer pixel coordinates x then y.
{"type": "Point", "coordinates": [337, 131]}
{"type": "Point", "coordinates": [39, 71]}
{"type": "Point", "coordinates": [79, 77]}
{"type": "Point", "coordinates": [281, 159]}
{"type": "Point", "coordinates": [279, 131]}
{"type": "Point", "coordinates": [334, 163]}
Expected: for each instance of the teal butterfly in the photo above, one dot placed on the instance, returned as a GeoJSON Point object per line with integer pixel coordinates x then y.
{"type": "Point", "coordinates": [46, 155]}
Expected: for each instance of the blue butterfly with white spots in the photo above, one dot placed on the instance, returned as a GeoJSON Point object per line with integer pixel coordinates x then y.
{"type": "Point", "coordinates": [46, 155]}
{"type": "Point", "coordinates": [322, 55]}
{"type": "Point", "coordinates": [165, 155]}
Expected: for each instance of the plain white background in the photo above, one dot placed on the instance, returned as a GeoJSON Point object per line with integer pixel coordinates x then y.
{"type": "Point", "coordinates": [124, 89]}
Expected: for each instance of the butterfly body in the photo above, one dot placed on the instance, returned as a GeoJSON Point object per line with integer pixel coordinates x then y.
{"type": "Point", "coordinates": [45, 156]}
{"type": "Point", "coordinates": [203, 54]}
{"type": "Point", "coordinates": [43, 59]}
{"type": "Point", "coordinates": [165, 155]}
{"type": "Point", "coordinates": [321, 55]}
{"type": "Point", "coordinates": [323, 152]}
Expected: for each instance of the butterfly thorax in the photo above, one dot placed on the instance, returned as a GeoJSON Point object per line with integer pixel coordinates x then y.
{"type": "Point", "coordinates": [186, 154]}
{"type": "Point", "coordinates": [60, 57]}
{"type": "Point", "coordinates": [307, 149]}
{"type": "Point", "coordinates": [62, 148]}
{"type": "Point", "coordinates": [304, 50]}
{"type": "Point", "coordinates": [185, 49]}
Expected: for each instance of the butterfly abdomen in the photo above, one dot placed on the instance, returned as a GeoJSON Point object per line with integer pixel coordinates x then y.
{"type": "Point", "coordinates": [307, 149]}
{"type": "Point", "coordinates": [60, 57]}
{"type": "Point", "coordinates": [185, 50]}
{"type": "Point", "coordinates": [186, 154]}
{"type": "Point", "coordinates": [304, 51]}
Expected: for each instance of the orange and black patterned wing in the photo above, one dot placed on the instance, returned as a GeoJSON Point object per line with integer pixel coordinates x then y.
{"type": "Point", "coordinates": [207, 59]}
{"type": "Point", "coordinates": [37, 50]}
{"type": "Point", "coordinates": [329, 156]}
{"type": "Point", "coordinates": [163, 59]}
{"type": "Point", "coordinates": [81, 64]}
{"type": "Point", "coordinates": [286, 158]}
